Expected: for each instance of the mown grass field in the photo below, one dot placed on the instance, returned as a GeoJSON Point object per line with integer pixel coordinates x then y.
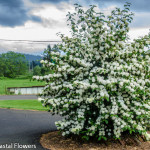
{"type": "Point", "coordinates": [7, 82]}
{"type": "Point", "coordinates": [22, 104]}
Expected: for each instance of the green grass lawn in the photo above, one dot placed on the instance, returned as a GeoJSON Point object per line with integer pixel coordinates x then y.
{"type": "Point", "coordinates": [22, 104]}
{"type": "Point", "coordinates": [7, 82]}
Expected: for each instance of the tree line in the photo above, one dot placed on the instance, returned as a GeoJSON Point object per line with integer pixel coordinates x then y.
{"type": "Point", "coordinates": [14, 64]}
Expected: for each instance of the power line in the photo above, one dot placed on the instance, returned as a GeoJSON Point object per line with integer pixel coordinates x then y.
{"type": "Point", "coordinates": [46, 41]}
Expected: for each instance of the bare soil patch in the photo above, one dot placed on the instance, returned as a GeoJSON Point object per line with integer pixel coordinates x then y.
{"type": "Point", "coordinates": [54, 141]}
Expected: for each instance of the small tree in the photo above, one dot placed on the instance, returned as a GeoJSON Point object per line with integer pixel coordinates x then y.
{"type": "Point", "coordinates": [47, 52]}
{"type": "Point", "coordinates": [12, 64]}
{"type": "Point", "coordinates": [101, 85]}
{"type": "Point", "coordinates": [37, 70]}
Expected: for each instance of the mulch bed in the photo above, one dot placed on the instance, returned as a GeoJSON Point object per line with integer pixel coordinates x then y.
{"type": "Point", "coordinates": [54, 141]}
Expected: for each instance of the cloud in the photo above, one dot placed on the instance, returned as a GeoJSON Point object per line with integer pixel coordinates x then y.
{"type": "Point", "coordinates": [53, 16]}
{"type": "Point", "coordinates": [138, 32]}
{"type": "Point", "coordinates": [141, 20]}
{"type": "Point", "coordinates": [141, 9]}
{"type": "Point", "coordinates": [47, 1]}
{"type": "Point", "coordinates": [14, 13]}
{"type": "Point", "coordinates": [136, 5]}
{"type": "Point", "coordinates": [52, 23]}
{"type": "Point", "coordinates": [27, 48]}
{"type": "Point", "coordinates": [141, 5]}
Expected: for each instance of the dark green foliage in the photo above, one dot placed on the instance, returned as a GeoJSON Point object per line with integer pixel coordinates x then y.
{"type": "Point", "coordinates": [37, 70]}
{"type": "Point", "coordinates": [12, 64]}
{"type": "Point", "coordinates": [47, 52]}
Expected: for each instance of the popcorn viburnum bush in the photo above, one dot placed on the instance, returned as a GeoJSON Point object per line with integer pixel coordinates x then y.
{"type": "Point", "coordinates": [101, 84]}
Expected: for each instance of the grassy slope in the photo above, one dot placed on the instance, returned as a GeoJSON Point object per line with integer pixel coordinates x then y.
{"type": "Point", "coordinates": [4, 83]}
{"type": "Point", "coordinates": [22, 104]}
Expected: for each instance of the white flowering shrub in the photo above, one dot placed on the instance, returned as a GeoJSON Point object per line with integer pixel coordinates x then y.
{"type": "Point", "coordinates": [101, 85]}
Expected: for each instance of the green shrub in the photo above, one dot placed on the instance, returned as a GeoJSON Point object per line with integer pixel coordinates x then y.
{"type": "Point", "coordinates": [101, 85]}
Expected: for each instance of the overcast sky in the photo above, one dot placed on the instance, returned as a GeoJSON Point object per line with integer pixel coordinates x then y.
{"type": "Point", "coordinates": [40, 20]}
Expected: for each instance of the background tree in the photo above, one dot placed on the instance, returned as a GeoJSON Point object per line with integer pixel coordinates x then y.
{"type": "Point", "coordinates": [37, 70]}
{"type": "Point", "coordinates": [47, 52]}
{"type": "Point", "coordinates": [47, 55]}
{"type": "Point", "coordinates": [12, 64]}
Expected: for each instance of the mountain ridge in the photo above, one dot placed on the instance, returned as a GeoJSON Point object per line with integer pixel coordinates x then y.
{"type": "Point", "coordinates": [30, 57]}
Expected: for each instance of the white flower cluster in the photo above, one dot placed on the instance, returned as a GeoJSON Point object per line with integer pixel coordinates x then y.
{"type": "Point", "coordinates": [101, 85]}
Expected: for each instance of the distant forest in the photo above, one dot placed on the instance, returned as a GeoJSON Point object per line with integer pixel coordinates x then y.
{"type": "Point", "coordinates": [14, 64]}
{"type": "Point", "coordinates": [30, 57]}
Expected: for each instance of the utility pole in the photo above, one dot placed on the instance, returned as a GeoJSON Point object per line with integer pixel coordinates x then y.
{"type": "Point", "coordinates": [32, 66]}
{"type": "Point", "coordinates": [29, 65]}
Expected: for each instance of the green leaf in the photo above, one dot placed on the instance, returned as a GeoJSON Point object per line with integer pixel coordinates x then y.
{"type": "Point", "coordinates": [106, 121]}
{"type": "Point", "coordinates": [104, 138]}
{"type": "Point", "coordinates": [85, 137]}
{"type": "Point", "coordinates": [99, 138]}
{"type": "Point", "coordinates": [68, 89]}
